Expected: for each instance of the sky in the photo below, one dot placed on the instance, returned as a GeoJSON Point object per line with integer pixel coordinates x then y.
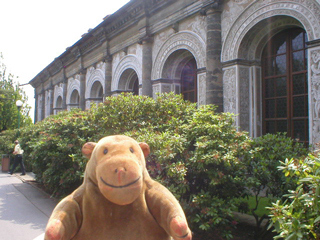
{"type": "Point", "coordinates": [34, 32]}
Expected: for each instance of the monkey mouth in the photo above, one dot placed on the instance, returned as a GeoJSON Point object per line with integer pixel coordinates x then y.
{"type": "Point", "coordinates": [122, 186]}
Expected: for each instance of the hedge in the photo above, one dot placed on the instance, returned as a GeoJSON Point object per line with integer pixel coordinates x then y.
{"type": "Point", "coordinates": [195, 152]}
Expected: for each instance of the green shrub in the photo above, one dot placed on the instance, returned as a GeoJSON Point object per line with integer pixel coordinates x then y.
{"type": "Point", "coordinates": [298, 217]}
{"type": "Point", "coordinates": [53, 147]}
{"type": "Point", "coordinates": [195, 152]}
{"type": "Point", "coordinates": [7, 139]}
{"type": "Point", "coordinates": [261, 171]}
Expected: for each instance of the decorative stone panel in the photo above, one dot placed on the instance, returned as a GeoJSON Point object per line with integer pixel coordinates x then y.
{"type": "Point", "coordinates": [48, 96]}
{"type": "Point", "coordinates": [40, 100]}
{"type": "Point", "coordinates": [73, 84]}
{"type": "Point", "coordinates": [314, 95]}
{"type": "Point", "coordinates": [128, 62]}
{"type": "Point", "coordinates": [93, 75]}
{"type": "Point", "coordinates": [244, 98]}
{"type": "Point", "coordinates": [230, 90]}
{"type": "Point", "coordinates": [201, 77]}
{"type": "Point", "coordinates": [58, 92]}
{"type": "Point", "coordinates": [305, 11]}
{"type": "Point", "coordinates": [182, 40]}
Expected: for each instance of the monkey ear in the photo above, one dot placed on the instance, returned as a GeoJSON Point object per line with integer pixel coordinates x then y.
{"type": "Point", "coordinates": [145, 149]}
{"type": "Point", "coordinates": [87, 149]}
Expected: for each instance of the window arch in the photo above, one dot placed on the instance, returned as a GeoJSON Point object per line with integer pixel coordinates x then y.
{"type": "Point", "coordinates": [181, 66]}
{"type": "Point", "coordinates": [189, 81]}
{"type": "Point", "coordinates": [285, 85]}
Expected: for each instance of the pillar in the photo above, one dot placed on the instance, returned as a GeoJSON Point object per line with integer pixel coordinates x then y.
{"type": "Point", "coordinates": [214, 83]}
{"type": "Point", "coordinates": [108, 77]}
{"type": "Point", "coordinates": [146, 66]}
{"type": "Point", "coordinates": [82, 97]}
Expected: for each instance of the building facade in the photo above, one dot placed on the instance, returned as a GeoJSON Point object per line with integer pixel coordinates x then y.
{"type": "Point", "coordinates": [258, 59]}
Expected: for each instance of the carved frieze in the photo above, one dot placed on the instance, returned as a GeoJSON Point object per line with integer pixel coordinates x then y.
{"type": "Point", "coordinates": [305, 11]}
{"type": "Point", "coordinates": [202, 88]}
{"type": "Point", "coordinates": [73, 84]}
{"type": "Point", "coordinates": [128, 62]}
{"type": "Point", "coordinates": [183, 40]}
{"type": "Point", "coordinates": [244, 92]}
{"type": "Point", "coordinates": [314, 75]}
{"type": "Point", "coordinates": [159, 40]}
{"type": "Point", "coordinates": [39, 106]}
{"type": "Point", "coordinates": [93, 75]}
{"type": "Point", "coordinates": [48, 96]}
{"type": "Point", "coordinates": [229, 90]}
{"type": "Point", "coordinates": [197, 25]}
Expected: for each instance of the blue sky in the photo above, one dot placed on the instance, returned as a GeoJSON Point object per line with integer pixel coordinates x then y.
{"type": "Point", "coordinates": [35, 32]}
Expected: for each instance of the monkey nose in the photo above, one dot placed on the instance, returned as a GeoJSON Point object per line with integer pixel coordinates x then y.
{"type": "Point", "coordinates": [120, 169]}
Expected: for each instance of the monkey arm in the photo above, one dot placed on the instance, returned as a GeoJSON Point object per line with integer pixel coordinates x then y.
{"type": "Point", "coordinates": [167, 211]}
{"type": "Point", "coordinates": [65, 220]}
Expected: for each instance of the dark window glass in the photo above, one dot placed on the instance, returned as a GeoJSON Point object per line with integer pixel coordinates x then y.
{"type": "Point", "coordinates": [281, 65]}
{"type": "Point", "coordinates": [299, 107]}
{"type": "Point", "coordinates": [300, 130]}
{"type": "Point", "coordinates": [281, 86]}
{"type": "Point", "coordinates": [269, 88]}
{"type": "Point", "coordinates": [298, 61]}
{"type": "Point", "coordinates": [270, 127]}
{"type": "Point", "coordinates": [282, 108]}
{"type": "Point", "coordinates": [282, 126]}
{"type": "Point", "coordinates": [298, 41]}
{"type": "Point", "coordinates": [270, 108]}
{"type": "Point", "coordinates": [298, 82]}
{"type": "Point", "coordinates": [189, 81]}
{"type": "Point", "coordinates": [285, 102]}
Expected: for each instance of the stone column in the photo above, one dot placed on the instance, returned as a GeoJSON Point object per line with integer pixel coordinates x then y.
{"type": "Point", "coordinates": [35, 116]}
{"type": "Point", "coordinates": [50, 94]}
{"type": "Point", "coordinates": [108, 76]}
{"type": "Point", "coordinates": [214, 84]}
{"type": "Point", "coordinates": [42, 105]}
{"type": "Point", "coordinates": [82, 97]}
{"type": "Point", "coordinates": [64, 93]}
{"type": "Point", "coordinates": [146, 66]}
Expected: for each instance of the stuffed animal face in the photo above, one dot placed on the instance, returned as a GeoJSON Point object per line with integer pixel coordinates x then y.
{"type": "Point", "coordinates": [118, 165]}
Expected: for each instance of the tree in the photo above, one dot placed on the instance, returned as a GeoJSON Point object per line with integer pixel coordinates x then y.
{"type": "Point", "coordinates": [9, 94]}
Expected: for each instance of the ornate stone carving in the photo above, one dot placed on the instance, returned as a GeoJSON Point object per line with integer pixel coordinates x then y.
{"type": "Point", "coordinates": [48, 96]}
{"type": "Point", "coordinates": [39, 107]}
{"type": "Point", "coordinates": [73, 84]}
{"type": "Point", "coordinates": [305, 11]}
{"type": "Point", "coordinates": [229, 90]}
{"type": "Point", "coordinates": [202, 89]}
{"type": "Point", "coordinates": [128, 62]}
{"type": "Point", "coordinates": [183, 40]}
{"type": "Point", "coordinates": [58, 92]}
{"type": "Point", "coordinates": [93, 75]}
{"type": "Point", "coordinates": [158, 41]}
{"type": "Point", "coordinates": [244, 98]}
{"type": "Point", "coordinates": [314, 106]}
{"type": "Point", "coordinates": [156, 89]}
{"type": "Point", "coordinates": [199, 26]}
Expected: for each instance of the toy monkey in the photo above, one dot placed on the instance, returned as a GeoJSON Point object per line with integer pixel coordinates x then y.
{"type": "Point", "coordinates": [118, 200]}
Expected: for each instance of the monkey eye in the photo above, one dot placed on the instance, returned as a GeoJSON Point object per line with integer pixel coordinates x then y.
{"type": "Point", "coordinates": [131, 150]}
{"type": "Point", "coordinates": [105, 151]}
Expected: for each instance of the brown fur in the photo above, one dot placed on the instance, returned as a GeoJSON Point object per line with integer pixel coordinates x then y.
{"type": "Point", "coordinates": [118, 200]}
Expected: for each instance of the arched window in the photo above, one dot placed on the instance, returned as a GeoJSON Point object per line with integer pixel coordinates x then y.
{"type": "Point", "coordinates": [135, 86]}
{"type": "Point", "coordinates": [285, 85]}
{"type": "Point", "coordinates": [189, 81]}
{"type": "Point", "coordinates": [74, 99]}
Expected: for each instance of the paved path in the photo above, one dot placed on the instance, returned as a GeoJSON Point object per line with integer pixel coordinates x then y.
{"type": "Point", "coordinates": [24, 209]}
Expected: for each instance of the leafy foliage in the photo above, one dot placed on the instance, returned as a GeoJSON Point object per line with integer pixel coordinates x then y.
{"type": "Point", "coordinates": [195, 152]}
{"type": "Point", "coordinates": [9, 94]}
{"type": "Point", "coordinates": [261, 170]}
{"type": "Point", "coordinates": [298, 217]}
